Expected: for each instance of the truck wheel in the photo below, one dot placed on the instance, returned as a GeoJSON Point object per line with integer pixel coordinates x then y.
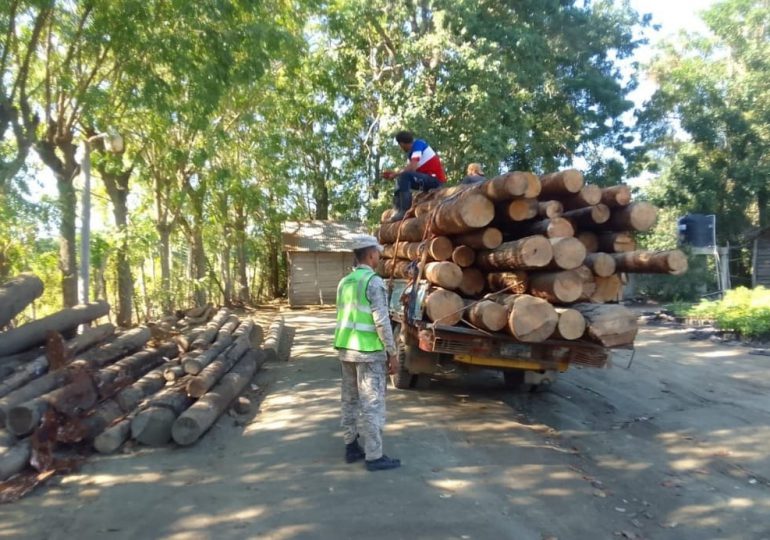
{"type": "Point", "coordinates": [513, 379]}
{"type": "Point", "coordinates": [403, 380]}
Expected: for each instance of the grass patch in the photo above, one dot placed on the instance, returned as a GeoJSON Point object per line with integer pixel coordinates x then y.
{"type": "Point", "coordinates": [743, 311]}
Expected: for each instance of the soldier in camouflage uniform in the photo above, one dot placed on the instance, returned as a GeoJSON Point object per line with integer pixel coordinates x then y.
{"type": "Point", "coordinates": [367, 353]}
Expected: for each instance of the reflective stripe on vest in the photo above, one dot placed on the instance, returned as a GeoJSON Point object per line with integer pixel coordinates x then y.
{"type": "Point", "coordinates": [355, 323]}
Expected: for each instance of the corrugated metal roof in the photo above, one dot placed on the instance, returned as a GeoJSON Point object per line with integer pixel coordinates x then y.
{"type": "Point", "coordinates": [317, 235]}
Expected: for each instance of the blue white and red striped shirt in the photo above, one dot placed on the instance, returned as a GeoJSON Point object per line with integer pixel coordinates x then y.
{"type": "Point", "coordinates": [427, 160]}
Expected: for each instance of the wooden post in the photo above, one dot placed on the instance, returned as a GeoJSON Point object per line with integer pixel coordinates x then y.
{"type": "Point", "coordinates": [552, 228]}
{"type": "Point", "coordinates": [272, 345]}
{"type": "Point", "coordinates": [639, 216]}
{"type": "Point", "coordinates": [462, 214]}
{"type": "Point", "coordinates": [518, 210]}
{"type": "Point", "coordinates": [601, 264]}
{"type": "Point", "coordinates": [212, 327]}
{"type": "Point", "coordinates": [589, 217]}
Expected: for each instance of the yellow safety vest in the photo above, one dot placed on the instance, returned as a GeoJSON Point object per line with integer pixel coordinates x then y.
{"type": "Point", "coordinates": [355, 323]}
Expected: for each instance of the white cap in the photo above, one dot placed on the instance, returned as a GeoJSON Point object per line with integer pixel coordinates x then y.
{"type": "Point", "coordinates": [361, 241]}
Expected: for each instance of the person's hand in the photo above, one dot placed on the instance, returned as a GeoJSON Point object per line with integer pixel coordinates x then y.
{"type": "Point", "coordinates": [392, 364]}
{"type": "Point", "coordinates": [388, 175]}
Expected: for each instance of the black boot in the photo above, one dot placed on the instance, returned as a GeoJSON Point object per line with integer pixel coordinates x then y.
{"type": "Point", "coordinates": [402, 202]}
{"type": "Point", "coordinates": [354, 452]}
{"type": "Point", "coordinates": [382, 464]}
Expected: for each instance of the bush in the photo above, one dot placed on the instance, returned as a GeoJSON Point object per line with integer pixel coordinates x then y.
{"type": "Point", "coordinates": [744, 311]}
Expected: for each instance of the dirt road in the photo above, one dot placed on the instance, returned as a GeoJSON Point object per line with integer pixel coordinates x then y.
{"type": "Point", "coordinates": [674, 448]}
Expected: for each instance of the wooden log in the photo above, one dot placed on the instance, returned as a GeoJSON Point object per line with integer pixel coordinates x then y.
{"type": "Point", "coordinates": [439, 248]}
{"type": "Point", "coordinates": [607, 289]}
{"type": "Point", "coordinates": [615, 242]}
{"type": "Point", "coordinates": [610, 325]}
{"type": "Point", "coordinates": [193, 364]}
{"type": "Point", "coordinates": [247, 336]}
{"type": "Point", "coordinates": [387, 214]}
{"type": "Point", "coordinates": [549, 209]}
{"type": "Point", "coordinates": [672, 262]}
{"type": "Point", "coordinates": [525, 253]}
{"type": "Point", "coordinates": [129, 397]}
{"type": "Point", "coordinates": [196, 420]}
{"type": "Point", "coordinates": [38, 366]}
{"type": "Point", "coordinates": [556, 287]}
{"type": "Point", "coordinates": [7, 440]}
{"type": "Point", "coordinates": [588, 279]}
{"type": "Point", "coordinates": [588, 217]}
{"type": "Point", "coordinates": [17, 294]}
{"type": "Point", "coordinates": [488, 238]}
{"type": "Point", "coordinates": [444, 274]}
{"type": "Point", "coordinates": [587, 196]}
{"type": "Point", "coordinates": [212, 327]}
{"type": "Point", "coordinates": [463, 256]}
{"type": "Point", "coordinates": [534, 187]}
{"type": "Point", "coordinates": [590, 240]}
{"type": "Point", "coordinates": [504, 187]}
{"type": "Point", "coordinates": [10, 363]}
{"type": "Point", "coordinates": [15, 459]}
{"type": "Point", "coordinates": [530, 319]}
{"type": "Point", "coordinates": [94, 423]}
{"type": "Point", "coordinates": [517, 210]}
{"type": "Point", "coordinates": [206, 314]}
{"type": "Point", "coordinates": [568, 253]}
{"type": "Point", "coordinates": [113, 437]}
{"type": "Point", "coordinates": [462, 214]}
{"type": "Point", "coordinates": [601, 264]}
{"type": "Point", "coordinates": [444, 307]}
{"type": "Point", "coordinates": [472, 283]}
{"type": "Point", "coordinates": [397, 268]}
{"type": "Point", "coordinates": [571, 325]}
{"type": "Point", "coordinates": [152, 424]}
{"type": "Point", "coordinates": [272, 344]}
{"type": "Point", "coordinates": [111, 379]}
{"type": "Point", "coordinates": [510, 282]}
{"type": "Point", "coordinates": [33, 333]}
{"type": "Point", "coordinates": [174, 372]}
{"type": "Point", "coordinates": [412, 230]}
{"type": "Point", "coordinates": [552, 228]}
{"type": "Point", "coordinates": [616, 196]}
{"type": "Point", "coordinates": [487, 315]}
{"type": "Point", "coordinates": [561, 184]}
{"type": "Point", "coordinates": [124, 344]}
{"type": "Point", "coordinates": [639, 216]}
{"type": "Point", "coordinates": [206, 379]}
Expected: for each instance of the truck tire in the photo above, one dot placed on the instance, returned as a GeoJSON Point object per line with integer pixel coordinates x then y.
{"type": "Point", "coordinates": [403, 380]}
{"type": "Point", "coordinates": [513, 379]}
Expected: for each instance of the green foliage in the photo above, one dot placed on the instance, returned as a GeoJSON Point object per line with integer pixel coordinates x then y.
{"type": "Point", "coordinates": [744, 311]}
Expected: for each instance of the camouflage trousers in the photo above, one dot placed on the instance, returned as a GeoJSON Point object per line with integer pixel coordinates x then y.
{"type": "Point", "coordinates": [363, 404]}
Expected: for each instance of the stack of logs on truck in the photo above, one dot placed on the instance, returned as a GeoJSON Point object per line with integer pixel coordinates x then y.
{"type": "Point", "coordinates": [61, 390]}
{"type": "Point", "coordinates": [537, 257]}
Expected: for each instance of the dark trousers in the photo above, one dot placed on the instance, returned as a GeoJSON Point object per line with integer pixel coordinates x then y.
{"type": "Point", "coordinates": [416, 180]}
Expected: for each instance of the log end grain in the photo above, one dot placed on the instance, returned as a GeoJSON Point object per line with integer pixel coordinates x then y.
{"type": "Point", "coordinates": [153, 426]}
{"type": "Point", "coordinates": [444, 307]}
{"type": "Point", "coordinates": [531, 319]}
{"type": "Point", "coordinates": [571, 325]}
{"type": "Point", "coordinates": [568, 253]}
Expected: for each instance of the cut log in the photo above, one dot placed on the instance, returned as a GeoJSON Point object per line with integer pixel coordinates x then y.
{"type": "Point", "coordinates": [488, 238]}
{"type": "Point", "coordinates": [549, 209]}
{"type": "Point", "coordinates": [608, 289]}
{"type": "Point", "coordinates": [462, 213]}
{"type": "Point", "coordinates": [193, 364]}
{"type": "Point", "coordinates": [129, 397]}
{"type": "Point", "coordinates": [530, 319]}
{"type": "Point", "coordinates": [124, 344]}
{"type": "Point", "coordinates": [526, 253]}
{"type": "Point", "coordinates": [518, 210]}
{"type": "Point", "coordinates": [560, 185]}
{"type": "Point", "coordinates": [397, 268]}
{"type": "Point", "coordinates": [203, 382]}
{"type": "Point", "coordinates": [444, 274]}
{"type": "Point", "coordinates": [556, 287]}
{"type": "Point", "coordinates": [112, 438]}
{"type": "Point", "coordinates": [587, 196]}
{"type": "Point", "coordinates": [534, 187]}
{"type": "Point", "coordinates": [568, 253]}
{"type": "Point", "coordinates": [616, 242]}
{"type": "Point", "coordinates": [387, 214]}
{"type": "Point", "coordinates": [39, 365]}
{"type": "Point", "coordinates": [212, 327]}
{"type": "Point", "coordinates": [590, 240]}
{"type": "Point", "coordinates": [444, 307]}
{"type": "Point", "coordinates": [571, 325]}
{"type": "Point", "coordinates": [472, 283]}
{"type": "Point", "coordinates": [174, 372]}
{"type": "Point", "coordinates": [412, 230]}
{"type": "Point", "coordinates": [615, 196]}
{"type": "Point", "coordinates": [17, 294]}
{"type": "Point", "coordinates": [15, 459]}
{"type": "Point", "coordinates": [552, 228]}
{"type": "Point", "coordinates": [672, 262]}
{"type": "Point", "coordinates": [152, 424]}
{"type": "Point", "coordinates": [487, 315]}
{"type": "Point", "coordinates": [439, 249]}
{"type": "Point", "coordinates": [95, 423]}
{"type": "Point", "coordinates": [639, 216]}
{"type": "Point", "coordinates": [510, 282]}
{"type": "Point", "coordinates": [463, 256]}
{"type": "Point", "coordinates": [589, 283]}
{"type": "Point", "coordinates": [6, 441]}
{"type": "Point", "coordinates": [196, 420]}
{"type": "Point", "coordinates": [610, 325]}
{"type": "Point", "coordinates": [247, 336]}
{"type": "Point", "coordinates": [504, 187]}
{"type": "Point", "coordinates": [272, 345]}
{"type": "Point", "coordinates": [588, 217]}
{"type": "Point", "coordinates": [33, 333]}
{"type": "Point", "coordinates": [8, 364]}
{"type": "Point", "coordinates": [601, 264]}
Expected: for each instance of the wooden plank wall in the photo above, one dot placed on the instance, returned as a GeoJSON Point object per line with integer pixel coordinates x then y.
{"type": "Point", "coordinates": [313, 277]}
{"type": "Point", "coordinates": [762, 261]}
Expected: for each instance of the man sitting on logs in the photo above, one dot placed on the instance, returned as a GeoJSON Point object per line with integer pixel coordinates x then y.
{"type": "Point", "coordinates": [423, 171]}
{"type": "Point", "coordinates": [473, 175]}
{"type": "Point", "coordinates": [365, 343]}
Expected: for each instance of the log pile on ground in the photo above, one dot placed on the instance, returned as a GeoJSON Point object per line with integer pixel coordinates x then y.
{"type": "Point", "coordinates": [551, 250]}
{"type": "Point", "coordinates": [61, 391]}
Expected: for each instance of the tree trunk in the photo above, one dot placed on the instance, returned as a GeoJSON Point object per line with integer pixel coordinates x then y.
{"type": "Point", "coordinates": [560, 185]}
{"type": "Point", "coordinates": [487, 315]}
{"type": "Point", "coordinates": [117, 188]}
{"type": "Point", "coordinates": [672, 262]}
{"type": "Point", "coordinates": [530, 319]}
{"type": "Point", "coordinates": [549, 209]}
{"type": "Point", "coordinates": [196, 420]}
{"type": "Point", "coordinates": [509, 282]}
{"type": "Point", "coordinates": [588, 217]}
{"type": "Point", "coordinates": [164, 233]}
{"type": "Point", "coordinates": [552, 228]}
{"type": "Point", "coordinates": [571, 325]}
{"type": "Point", "coordinates": [601, 264]}
{"type": "Point", "coordinates": [489, 238]}
{"type": "Point", "coordinates": [618, 242]}
{"type": "Point", "coordinates": [444, 307]}
{"type": "Point", "coordinates": [33, 333]}
{"type": "Point", "coordinates": [472, 283]}
{"type": "Point", "coordinates": [568, 253]}
{"type": "Point", "coordinates": [320, 196]}
{"type": "Point", "coordinates": [444, 274]}
{"type": "Point", "coordinates": [463, 256]}
{"type": "Point", "coordinates": [17, 294]}
{"type": "Point", "coordinates": [240, 254]}
{"type": "Point", "coordinates": [272, 344]}
{"type": "Point", "coordinates": [199, 265]}
{"type": "Point", "coordinates": [534, 187]}
{"type": "Point", "coordinates": [587, 196]}
{"type": "Point", "coordinates": [556, 287]}
{"type": "Point", "coordinates": [590, 240]}
{"type": "Point", "coordinates": [526, 253]}
{"type": "Point", "coordinates": [610, 325]}
{"type": "Point", "coordinates": [615, 196]}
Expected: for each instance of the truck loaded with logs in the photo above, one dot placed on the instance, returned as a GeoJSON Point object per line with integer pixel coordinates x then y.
{"type": "Point", "coordinates": [518, 273]}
